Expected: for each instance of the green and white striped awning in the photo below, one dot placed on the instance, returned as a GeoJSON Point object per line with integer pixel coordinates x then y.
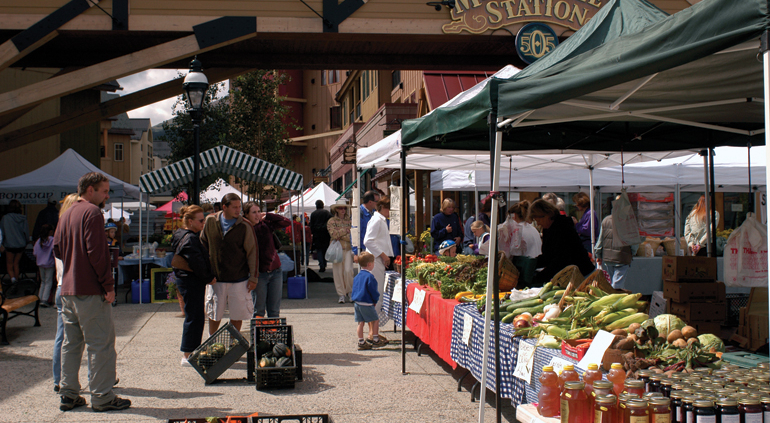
{"type": "Point", "coordinates": [220, 159]}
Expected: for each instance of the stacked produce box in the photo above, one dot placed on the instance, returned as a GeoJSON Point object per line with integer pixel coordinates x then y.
{"type": "Point", "coordinates": [754, 319]}
{"type": "Point", "coordinates": [693, 293]}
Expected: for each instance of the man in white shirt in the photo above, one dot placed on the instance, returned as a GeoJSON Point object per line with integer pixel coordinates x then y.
{"type": "Point", "coordinates": [377, 242]}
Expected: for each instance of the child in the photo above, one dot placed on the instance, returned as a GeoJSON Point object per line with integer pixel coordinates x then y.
{"type": "Point", "coordinates": [111, 229]}
{"type": "Point", "coordinates": [43, 251]}
{"type": "Point", "coordinates": [365, 295]}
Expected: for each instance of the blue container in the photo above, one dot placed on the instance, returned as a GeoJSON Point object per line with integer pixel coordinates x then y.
{"type": "Point", "coordinates": [296, 287]}
{"type": "Point", "coordinates": [145, 291]}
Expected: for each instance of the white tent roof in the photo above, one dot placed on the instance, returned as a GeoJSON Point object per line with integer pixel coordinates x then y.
{"type": "Point", "coordinates": [320, 192]}
{"type": "Point", "coordinates": [115, 213]}
{"type": "Point", "coordinates": [217, 190]}
{"type": "Point", "coordinates": [57, 179]}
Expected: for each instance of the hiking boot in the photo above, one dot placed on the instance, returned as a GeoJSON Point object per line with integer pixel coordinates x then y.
{"type": "Point", "coordinates": [380, 342]}
{"type": "Point", "coordinates": [117, 403]}
{"type": "Point", "coordinates": [68, 404]}
{"type": "Point", "coordinates": [364, 345]}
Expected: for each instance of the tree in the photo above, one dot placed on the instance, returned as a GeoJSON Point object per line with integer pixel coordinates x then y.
{"type": "Point", "coordinates": [259, 121]}
{"type": "Point", "coordinates": [214, 129]}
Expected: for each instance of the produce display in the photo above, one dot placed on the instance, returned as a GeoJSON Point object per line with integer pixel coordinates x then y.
{"type": "Point", "coordinates": [449, 275]}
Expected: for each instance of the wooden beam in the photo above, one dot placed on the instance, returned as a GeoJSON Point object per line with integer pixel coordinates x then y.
{"type": "Point", "coordinates": [9, 54]}
{"type": "Point", "coordinates": [129, 64]}
{"type": "Point", "coordinates": [105, 110]}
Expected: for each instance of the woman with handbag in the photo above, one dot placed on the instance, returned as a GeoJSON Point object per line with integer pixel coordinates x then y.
{"type": "Point", "coordinates": [339, 231]}
{"type": "Point", "coordinates": [193, 272]}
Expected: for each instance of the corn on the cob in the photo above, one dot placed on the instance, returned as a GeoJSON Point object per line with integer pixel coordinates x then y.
{"type": "Point", "coordinates": [611, 317]}
{"type": "Point", "coordinates": [599, 304]}
{"type": "Point", "coordinates": [627, 301]}
{"type": "Point", "coordinates": [548, 341]}
{"type": "Point", "coordinates": [627, 321]}
{"type": "Point", "coordinates": [598, 292]}
{"type": "Point", "coordinates": [556, 331]}
{"type": "Point", "coordinates": [546, 288]}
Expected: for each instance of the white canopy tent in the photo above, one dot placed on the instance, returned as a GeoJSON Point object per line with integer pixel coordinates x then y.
{"type": "Point", "coordinates": [217, 190]}
{"type": "Point", "coordinates": [319, 192]}
{"type": "Point", "coordinates": [115, 213]}
{"type": "Point", "coordinates": [58, 179]}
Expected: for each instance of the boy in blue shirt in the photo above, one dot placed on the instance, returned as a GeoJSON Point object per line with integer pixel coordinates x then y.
{"type": "Point", "coordinates": [365, 295]}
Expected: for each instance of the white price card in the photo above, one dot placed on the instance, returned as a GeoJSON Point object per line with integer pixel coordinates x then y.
{"type": "Point", "coordinates": [467, 328]}
{"type": "Point", "coordinates": [419, 297]}
{"type": "Point", "coordinates": [525, 362]}
{"type": "Point", "coordinates": [397, 292]}
{"type": "Point", "coordinates": [595, 353]}
{"type": "Point", "coordinates": [558, 364]}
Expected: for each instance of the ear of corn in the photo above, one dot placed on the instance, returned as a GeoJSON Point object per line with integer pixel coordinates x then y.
{"type": "Point", "coordinates": [611, 317]}
{"type": "Point", "coordinates": [597, 306]}
{"type": "Point", "coordinates": [627, 321]}
{"type": "Point", "coordinates": [622, 303]}
{"type": "Point", "coordinates": [598, 292]}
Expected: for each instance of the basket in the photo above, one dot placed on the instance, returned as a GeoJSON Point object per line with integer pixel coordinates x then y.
{"type": "Point", "coordinates": [569, 274]}
{"type": "Point", "coordinates": [305, 418]}
{"type": "Point", "coordinates": [275, 377]}
{"type": "Point", "coordinates": [509, 274]}
{"type": "Point", "coordinates": [211, 360]}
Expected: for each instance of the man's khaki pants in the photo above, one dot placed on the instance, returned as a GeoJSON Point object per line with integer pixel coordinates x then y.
{"type": "Point", "coordinates": [88, 323]}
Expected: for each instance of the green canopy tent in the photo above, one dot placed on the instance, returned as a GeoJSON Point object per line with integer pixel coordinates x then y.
{"type": "Point", "coordinates": [221, 159]}
{"type": "Point", "coordinates": [689, 80]}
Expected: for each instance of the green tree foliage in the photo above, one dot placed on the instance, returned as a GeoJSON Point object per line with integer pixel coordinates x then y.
{"type": "Point", "coordinates": [259, 122]}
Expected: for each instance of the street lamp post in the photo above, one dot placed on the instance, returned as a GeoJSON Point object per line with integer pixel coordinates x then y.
{"type": "Point", "coordinates": [195, 86]}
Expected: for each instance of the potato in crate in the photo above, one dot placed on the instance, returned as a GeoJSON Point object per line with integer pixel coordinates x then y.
{"type": "Point", "coordinates": [220, 351]}
{"type": "Point", "coordinates": [275, 357]}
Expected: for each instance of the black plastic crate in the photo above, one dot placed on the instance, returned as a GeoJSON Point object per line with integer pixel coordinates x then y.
{"type": "Point", "coordinates": [240, 419]}
{"type": "Point", "coordinates": [274, 377]}
{"type": "Point", "coordinates": [259, 321]}
{"type": "Point", "coordinates": [734, 304]}
{"type": "Point", "coordinates": [218, 353]}
{"type": "Point", "coordinates": [304, 418]}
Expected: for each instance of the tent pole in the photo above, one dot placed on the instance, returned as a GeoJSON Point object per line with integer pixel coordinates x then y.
{"type": "Point", "coordinates": [712, 207]}
{"type": "Point", "coordinates": [305, 253]}
{"type": "Point", "coordinates": [591, 210]}
{"type": "Point", "coordinates": [140, 246]}
{"type": "Point", "coordinates": [404, 261]}
{"type": "Point", "coordinates": [678, 216]}
{"type": "Point", "coordinates": [496, 141]}
{"type": "Point", "coordinates": [748, 166]}
{"type": "Point", "coordinates": [765, 40]}
{"type": "Point", "coordinates": [293, 244]}
{"type": "Point", "coordinates": [707, 196]}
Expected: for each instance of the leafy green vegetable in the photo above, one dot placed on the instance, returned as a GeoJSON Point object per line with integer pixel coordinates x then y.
{"type": "Point", "coordinates": [710, 341]}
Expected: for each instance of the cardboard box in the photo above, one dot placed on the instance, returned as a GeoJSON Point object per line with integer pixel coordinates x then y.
{"type": "Point", "coordinates": [707, 327]}
{"type": "Point", "coordinates": [658, 304]}
{"type": "Point", "coordinates": [681, 292]}
{"type": "Point", "coordinates": [699, 312]}
{"type": "Point", "coordinates": [689, 269]}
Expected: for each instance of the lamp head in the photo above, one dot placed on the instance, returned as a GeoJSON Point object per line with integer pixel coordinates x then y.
{"type": "Point", "coordinates": [195, 85]}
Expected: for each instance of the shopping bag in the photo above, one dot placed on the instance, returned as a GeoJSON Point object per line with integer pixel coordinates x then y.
{"type": "Point", "coordinates": [746, 254]}
{"type": "Point", "coordinates": [509, 238]}
{"type": "Point", "coordinates": [625, 228]}
{"type": "Point", "coordinates": [334, 252]}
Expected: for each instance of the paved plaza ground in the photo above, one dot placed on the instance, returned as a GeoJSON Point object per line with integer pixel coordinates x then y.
{"type": "Point", "coordinates": [347, 384]}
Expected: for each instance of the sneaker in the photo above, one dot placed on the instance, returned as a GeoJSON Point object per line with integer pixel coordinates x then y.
{"type": "Point", "coordinates": [117, 403]}
{"type": "Point", "coordinates": [382, 338]}
{"type": "Point", "coordinates": [68, 404]}
{"type": "Point", "coordinates": [56, 388]}
{"type": "Point", "coordinates": [185, 362]}
{"type": "Point", "coordinates": [44, 304]}
{"type": "Point", "coordinates": [379, 343]}
{"type": "Point", "coordinates": [117, 380]}
{"type": "Point", "coordinates": [364, 345]}
{"type": "Point", "coordinates": [341, 300]}
{"type": "Point", "coordinates": [347, 296]}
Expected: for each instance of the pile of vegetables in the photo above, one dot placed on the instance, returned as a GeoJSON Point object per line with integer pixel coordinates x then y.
{"type": "Point", "coordinates": [451, 275]}
{"type": "Point", "coordinates": [274, 355]}
{"type": "Point", "coordinates": [583, 314]}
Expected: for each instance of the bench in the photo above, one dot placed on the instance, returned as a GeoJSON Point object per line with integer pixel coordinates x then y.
{"type": "Point", "coordinates": [9, 307]}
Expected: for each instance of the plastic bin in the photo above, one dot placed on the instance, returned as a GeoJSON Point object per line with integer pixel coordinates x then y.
{"type": "Point", "coordinates": [250, 357]}
{"type": "Point", "coordinates": [275, 377]}
{"type": "Point", "coordinates": [296, 287]}
{"type": "Point", "coordinates": [211, 360]}
{"type": "Point", "coordinates": [145, 291]}
{"type": "Point", "coordinates": [305, 418]}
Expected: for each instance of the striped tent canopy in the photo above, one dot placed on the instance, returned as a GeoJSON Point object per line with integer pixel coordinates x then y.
{"type": "Point", "coordinates": [220, 159]}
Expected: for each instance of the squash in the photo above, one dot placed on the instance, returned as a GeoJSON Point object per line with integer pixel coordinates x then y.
{"type": "Point", "coordinates": [263, 347]}
{"type": "Point", "coordinates": [284, 362]}
{"type": "Point", "coordinates": [281, 350]}
{"type": "Point", "coordinates": [462, 294]}
{"type": "Point", "coordinates": [267, 362]}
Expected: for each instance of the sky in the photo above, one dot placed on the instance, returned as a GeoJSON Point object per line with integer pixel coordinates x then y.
{"type": "Point", "coordinates": [162, 110]}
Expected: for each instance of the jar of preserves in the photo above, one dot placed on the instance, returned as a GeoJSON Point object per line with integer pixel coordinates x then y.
{"type": "Point", "coordinates": [764, 366]}
{"type": "Point", "coordinates": [702, 371]}
{"type": "Point", "coordinates": [686, 412]}
{"type": "Point", "coordinates": [727, 411]}
{"type": "Point", "coordinates": [633, 386]}
{"type": "Point", "coordinates": [606, 409]}
{"type": "Point", "coordinates": [574, 403]}
{"type": "Point", "coordinates": [644, 376]}
{"type": "Point", "coordinates": [765, 401]}
{"type": "Point", "coordinates": [666, 387]}
{"type": "Point", "coordinates": [650, 395]}
{"type": "Point", "coordinates": [623, 406]}
{"type": "Point", "coordinates": [751, 410]}
{"type": "Point", "coordinates": [638, 411]}
{"type": "Point", "coordinates": [676, 404]}
{"type": "Point", "coordinates": [660, 410]}
{"type": "Point", "coordinates": [654, 383]}
{"type": "Point", "coordinates": [703, 411]}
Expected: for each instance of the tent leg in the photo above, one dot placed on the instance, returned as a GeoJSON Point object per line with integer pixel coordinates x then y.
{"type": "Point", "coordinates": [140, 246]}
{"type": "Point", "coordinates": [678, 217]}
{"type": "Point", "coordinates": [707, 196]}
{"type": "Point", "coordinates": [592, 210]}
{"type": "Point", "coordinates": [404, 212]}
{"type": "Point", "coordinates": [766, 80]}
{"type": "Point", "coordinates": [305, 253]}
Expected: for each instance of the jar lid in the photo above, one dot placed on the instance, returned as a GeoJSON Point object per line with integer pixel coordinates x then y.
{"type": "Point", "coordinates": [702, 370]}
{"type": "Point", "coordinates": [649, 395]}
{"type": "Point", "coordinates": [679, 386]}
{"type": "Point", "coordinates": [593, 366]}
{"type": "Point", "coordinates": [636, 403]}
{"type": "Point", "coordinates": [703, 403]}
{"type": "Point", "coordinates": [574, 384]}
{"type": "Point", "coordinates": [660, 401]}
{"type": "Point", "coordinates": [645, 372]}
{"type": "Point", "coordinates": [547, 368]}
{"type": "Point", "coordinates": [656, 376]}
{"type": "Point", "coordinates": [727, 402]}
{"type": "Point", "coordinates": [667, 382]}
{"type": "Point", "coordinates": [616, 366]}
{"type": "Point", "coordinates": [765, 400]}
{"type": "Point", "coordinates": [764, 365]}
{"type": "Point", "coordinates": [689, 399]}
{"type": "Point", "coordinates": [633, 383]}
{"type": "Point", "coordinates": [569, 367]}
{"type": "Point", "coordinates": [606, 399]}
{"type": "Point", "coordinates": [677, 394]}
{"type": "Point", "coordinates": [602, 384]}
{"type": "Point", "coordinates": [627, 397]}
{"type": "Point", "coordinates": [748, 401]}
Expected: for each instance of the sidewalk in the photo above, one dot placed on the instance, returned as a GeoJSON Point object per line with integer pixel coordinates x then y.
{"type": "Point", "coordinates": [339, 380]}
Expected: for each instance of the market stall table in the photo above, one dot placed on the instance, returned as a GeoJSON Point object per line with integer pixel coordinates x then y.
{"type": "Point", "coordinates": [131, 262]}
{"type": "Point", "coordinates": [433, 324]}
{"type": "Point", "coordinates": [391, 307]}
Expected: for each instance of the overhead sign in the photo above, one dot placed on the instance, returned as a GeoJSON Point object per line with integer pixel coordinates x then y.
{"type": "Point", "coordinates": [479, 16]}
{"type": "Point", "coordinates": [349, 153]}
{"type": "Point", "coordinates": [535, 40]}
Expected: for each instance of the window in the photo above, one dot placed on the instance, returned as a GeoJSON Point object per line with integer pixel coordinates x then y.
{"type": "Point", "coordinates": [335, 117]}
{"type": "Point", "coordinates": [329, 77]}
{"type": "Point", "coordinates": [323, 78]}
{"type": "Point", "coordinates": [365, 84]}
{"type": "Point", "coordinates": [395, 78]}
{"type": "Point", "coordinates": [118, 151]}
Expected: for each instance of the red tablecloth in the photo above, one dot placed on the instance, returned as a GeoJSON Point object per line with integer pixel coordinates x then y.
{"type": "Point", "coordinates": [434, 323]}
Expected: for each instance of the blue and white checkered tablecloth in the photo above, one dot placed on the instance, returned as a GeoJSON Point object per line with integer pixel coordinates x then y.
{"type": "Point", "coordinates": [543, 357]}
{"type": "Point", "coordinates": [471, 358]}
{"type": "Point", "coordinates": [389, 307]}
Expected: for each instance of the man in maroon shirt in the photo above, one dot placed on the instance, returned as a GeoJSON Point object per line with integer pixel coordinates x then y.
{"type": "Point", "coordinates": [87, 293]}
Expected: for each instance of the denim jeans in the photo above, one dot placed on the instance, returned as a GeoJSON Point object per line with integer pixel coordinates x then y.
{"type": "Point", "coordinates": [194, 294]}
{"type": "Point", "coordinates": [268, 294]}
{"type": "Point", "coordinates": [58, 340]}
{"type": "Point", "coordinates": [617, 273]}
{"type": "Point", "coordinates": [321, 252]}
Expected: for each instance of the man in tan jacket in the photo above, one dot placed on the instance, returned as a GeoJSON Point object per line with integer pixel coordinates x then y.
{"type": "Point", "coordinates": [233, 253]}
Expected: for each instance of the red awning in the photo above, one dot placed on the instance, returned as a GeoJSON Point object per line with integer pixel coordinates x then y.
{"type": "Point", "coordinates": [442, 86]}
